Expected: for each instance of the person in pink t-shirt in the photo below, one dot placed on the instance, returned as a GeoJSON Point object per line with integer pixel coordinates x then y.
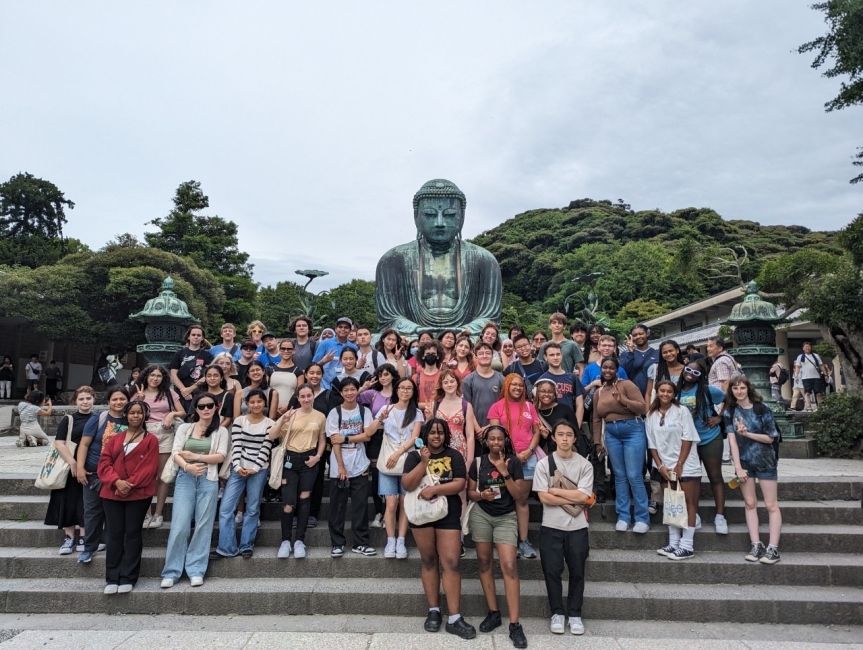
{"type": "Point", "coordinates": [519, 417]}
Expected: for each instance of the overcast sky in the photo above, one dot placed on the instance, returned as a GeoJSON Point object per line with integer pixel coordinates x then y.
{"type": "Point", "coordinates": [312, 124]}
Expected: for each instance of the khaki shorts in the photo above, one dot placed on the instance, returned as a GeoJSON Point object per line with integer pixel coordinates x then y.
{"type": "Point", "coordinates": [500, 530]}
{"type": "Point", "coordinates": [165, 436]}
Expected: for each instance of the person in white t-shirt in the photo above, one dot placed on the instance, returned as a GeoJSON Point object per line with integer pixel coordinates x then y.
{"type": "Point", "coordinates": [810, 368]}
{"type": "Point", "coordinates": [673, 443]}
{"type": "Point", "coordinates": [564, 490]}
{"type": "Point", "coordinates": [349, 427]}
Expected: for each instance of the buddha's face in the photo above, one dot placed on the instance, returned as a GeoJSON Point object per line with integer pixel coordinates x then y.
{"type": "Point", "coordinates": [439, 220]}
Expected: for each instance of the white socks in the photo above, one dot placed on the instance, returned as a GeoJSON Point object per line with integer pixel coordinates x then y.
{"type": "Point", "coordinates": [673, 536]}
{"type": "Point", "coordinates": [686, 540]}
{"type": "Point", "coordinates": [453, 618]}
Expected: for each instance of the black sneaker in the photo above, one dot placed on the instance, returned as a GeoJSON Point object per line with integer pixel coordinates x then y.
{"type": "Point", "coordinates": [490, 622]}
{"type": "Point", "coordinates": [461, 628]}
{"type": "Point", "coordinates": [337, 551]}
{"type": "Point", "coordinates": [516, 635]}
{"type": "Point", "coordinates": [312, 523]}
{"type": "Point", "coordinates": [433, 621]}
{"type": "Point", "coordinates": [360, 549]}
{"type": "Point", "coordinates": [652, 507]}
{"type": "Point", "coordinates": [681, 554]}
{"type": "Point", "coordinates": [771, 555]}
{"type": "Point", "coordinates": [756, 552]}
{"type": "Point", "coordinates": [247, 553]}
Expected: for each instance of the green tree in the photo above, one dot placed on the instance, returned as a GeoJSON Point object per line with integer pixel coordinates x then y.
{"type": "Point", "coordinates": [354, 299]}
{"type": "Point", "coordinates": [279, 305]}
{"type": "Point", "coordinates": [211, 242]}
{"type": "Point", "coordinates": [50, 297]}
{"type": "Point", "coordinates": [831, 290]}
{"type": "Point", "coordinates": [842, 47]}
{"type": "Point", "coordinates": [32, 216]}
{"type": "Point", "coordinates": [32, 206]}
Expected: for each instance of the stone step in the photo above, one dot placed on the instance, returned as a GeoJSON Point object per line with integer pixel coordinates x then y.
{"type": "Point", "coordinates": [795, 489]}
{"type": "Point", "coordinates": [795, 538]}
{"type": "Point", "coordinates": [404, 597]}
{"type": "Point", "coordinates": [33, 507]}
{"type": "Point", "coordinates": [822, 569]}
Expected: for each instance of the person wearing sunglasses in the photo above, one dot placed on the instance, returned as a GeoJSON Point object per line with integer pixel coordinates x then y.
{"type": "Point", "coordinates": [702, 400]}
{"type": "Point", "coordinates": [199, 448]}
{"type": "Point", "coordinates": [285, 376]}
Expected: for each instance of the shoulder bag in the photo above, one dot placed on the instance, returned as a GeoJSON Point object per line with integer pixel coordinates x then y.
{"type": "Point", "coordinates": [421, 511]}
{"type": "Point", "coordinates": [277, 460]}
{"type": "Point", "coordinates": [55, 470]}
{"type": "Point", "coordinates": [388, 448]}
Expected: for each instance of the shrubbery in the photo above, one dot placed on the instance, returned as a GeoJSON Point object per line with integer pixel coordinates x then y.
{"type": "Point", "coordinates": [838, 425]}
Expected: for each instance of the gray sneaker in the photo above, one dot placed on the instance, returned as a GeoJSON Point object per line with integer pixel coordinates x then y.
{"type": "Point", "coordinates": [771, 555]}
{"type": "Point", "coordinates": [756, 552]}
{"type": "Point", "coordinates": [299, 550]}
{"type": "Point", "coordinates": [525, 550]}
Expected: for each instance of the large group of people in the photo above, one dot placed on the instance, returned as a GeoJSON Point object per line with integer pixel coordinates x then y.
{"type": "Point", "coordinates": [475, 425]}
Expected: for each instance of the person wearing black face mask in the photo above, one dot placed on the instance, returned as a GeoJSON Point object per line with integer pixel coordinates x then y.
{"type": "Point", "coordinates": [431, 354]}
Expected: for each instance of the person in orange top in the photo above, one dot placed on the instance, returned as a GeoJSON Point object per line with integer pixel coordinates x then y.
{"type": "Point", "coordinates": [127, 469]}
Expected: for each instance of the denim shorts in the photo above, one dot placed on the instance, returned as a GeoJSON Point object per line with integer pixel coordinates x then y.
{"type": "Point", "coordinates": [529, 467]}
{"type": "Point", "coordinates": [390, 485]}
{"type": "Point", "coordinates": [763, 475]}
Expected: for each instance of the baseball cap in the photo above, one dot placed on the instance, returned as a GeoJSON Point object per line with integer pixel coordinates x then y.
{"type": "Point", "coordinates": [345, 319]}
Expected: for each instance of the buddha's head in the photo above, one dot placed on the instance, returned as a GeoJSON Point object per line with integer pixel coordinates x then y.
{"type": "Point", "coordinates": [439, 212]}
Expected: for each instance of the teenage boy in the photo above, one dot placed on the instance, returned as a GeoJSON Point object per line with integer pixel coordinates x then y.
{"type": "Point", "coordinates": [639, 357]}
{"type": "Point", "coordinates": [484, 386]}
{"type": "Point", "coordinates": [247, 355]}
{"type": "Point", "coordinates": [573, 361]}
{"type": "Point", "coordinates": [525, 364]}
{"type": "Point", "coordinates": [368, 359]}
{"type": "Point", "coordinates": [304, 345]}
{"type": "Point", "coordinates": [578, 333]}
{"type": "Point", "coordinates": [607, 347]}
{"type": "Point", "coordinates": [329, 352]}
{"type": "Point", "coordinates": [809, 367]}
{"type": "Point", "coordinates": [349, 427]}
{"type": "Point", "coordinates": [563, 536]}
{"type": "Point", "coordinates": [569, 390]}
{"type": "Point", "coordinates": [270, 356]}
{"type": "Point", "coordinates": [228, 333]}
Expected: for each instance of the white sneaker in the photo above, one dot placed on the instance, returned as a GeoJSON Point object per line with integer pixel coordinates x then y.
{"type": "Point", "coordinates": [697, 521]}
{"type": "Point", "coordinates": [390, 548]}
{"type": "Point", "coordinates": [576, 626]}
{"type": "Point", "coordinates": [621, 527]}
{"type": "Point", "coordinates": [196, 581]}
{"type": "Point", "coordinates": [124, 589]}
{"type": "Point", "coordinates": [557, 622]}
{"type": "Point", "coordinates": [284, 550]}
{"type": "Point", "coordinates": [721, 525]}
{"type": "Point", "coordinates": [377, 522]}
{"type": "Point", "coordinates": [639, 528]}
{"type": "Point", "coordinates": [299, 549]}
{"type": "Point", "coordinates": [238, 518]}
{"type": "Point", "coordinates": [67, 546]}
{"type": "Point", "coordinates": [147, 520]}
{"type": "Point", "coordinates": [156, 521]}
{"type": "Point", "coordinates": [401, 549]}
{"type": "Point", "coordinates": [100, 548]}
{"type": "Point", "coordinates": [166, 583]}
{"type": "Point", "coordinates": [110, 589]}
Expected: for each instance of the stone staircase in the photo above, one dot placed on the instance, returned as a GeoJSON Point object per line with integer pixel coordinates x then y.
{"type": "Point", "coordinates": [818, 580]}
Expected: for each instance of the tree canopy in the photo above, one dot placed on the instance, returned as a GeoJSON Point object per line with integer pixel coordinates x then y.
{"type": "Point", "coordinates": [840, 50]}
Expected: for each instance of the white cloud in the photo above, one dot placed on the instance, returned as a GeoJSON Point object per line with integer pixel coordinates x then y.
{"type": "Point", "coordinates": [312, 125]}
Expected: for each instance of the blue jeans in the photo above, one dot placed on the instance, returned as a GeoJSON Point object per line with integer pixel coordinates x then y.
{"type": "Point", "coordinates": [253, 487]}
{"type": "Point", "coordinates": [195, 499]}
{"type": "Point", "coordinates": [626, 442]}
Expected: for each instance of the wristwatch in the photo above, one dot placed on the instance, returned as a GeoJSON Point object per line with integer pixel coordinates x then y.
{"type": "Point", "coordinates": [507, 477]}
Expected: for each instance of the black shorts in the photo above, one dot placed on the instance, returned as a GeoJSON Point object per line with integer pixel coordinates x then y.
{"type": "Point", "coordinates": [813, 385]}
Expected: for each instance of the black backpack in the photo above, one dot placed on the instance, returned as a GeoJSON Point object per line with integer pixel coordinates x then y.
{"type": "Point", "coordinates": [782, 377]}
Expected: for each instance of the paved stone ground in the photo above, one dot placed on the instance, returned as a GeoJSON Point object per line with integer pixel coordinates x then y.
{"type": "Point", "coordinates": [364, 632]}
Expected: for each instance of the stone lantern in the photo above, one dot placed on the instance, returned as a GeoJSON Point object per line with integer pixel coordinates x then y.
{"type": "Point", "coordinates": [166, 318]}
{"type": "Point", "coordinates": [754, 320]}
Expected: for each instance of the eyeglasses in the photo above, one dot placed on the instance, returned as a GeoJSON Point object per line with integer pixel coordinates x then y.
{"type": "Point", "coordinates": [538, 339]}
{"type": "Point", "coordinates": [692, 371]}
{"type": "Point", "coordinates": [286, 349]}
{"type": "Point", "coordinates": [208, 405]}
{"type": "Point", "coordinates": [249, 347]}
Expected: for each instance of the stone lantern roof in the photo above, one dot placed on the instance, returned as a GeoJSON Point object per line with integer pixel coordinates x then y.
{"type": "Point", "coordinates": [754, 308]}
{"type": "Point", "coordinates": [165, 306]}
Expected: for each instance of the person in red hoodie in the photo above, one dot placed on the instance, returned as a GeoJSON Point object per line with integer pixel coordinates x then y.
{"type": "Point", "coordinates": [127, 469]}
